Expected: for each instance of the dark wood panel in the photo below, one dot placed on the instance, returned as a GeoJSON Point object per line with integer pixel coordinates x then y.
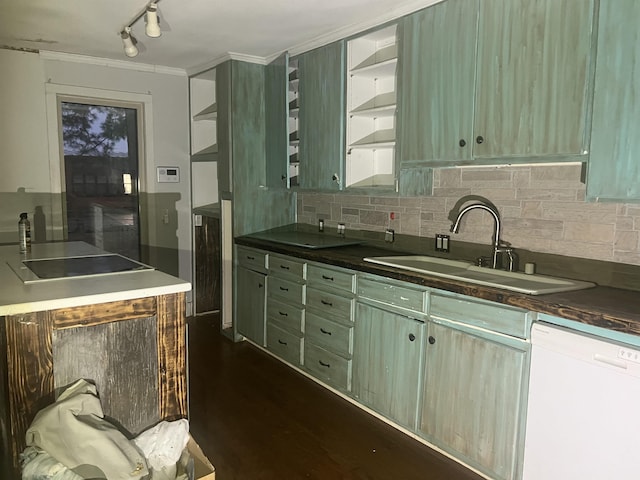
{"type": "Point", "coordinates": [30, 373]}
{"type": "Point", "coordinates": [208, 265]}
{"type": "Point", "coordinates": [172, 369]}
{"type": "Point", "coordinates": [5, 424]}
{"type": "Point", "coordinates": [121, 359]}
{"type": "Point", "coordinates": [103, 313]}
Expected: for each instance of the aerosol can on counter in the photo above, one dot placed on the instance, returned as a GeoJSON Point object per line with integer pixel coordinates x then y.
{"type": "Point", "coordinates": [24, 233]}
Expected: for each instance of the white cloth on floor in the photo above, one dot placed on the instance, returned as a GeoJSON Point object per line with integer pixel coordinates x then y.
{"type": "Point", "coordinates": [74, 432]}
{"type": "Point", "coordinates": [163, 444]}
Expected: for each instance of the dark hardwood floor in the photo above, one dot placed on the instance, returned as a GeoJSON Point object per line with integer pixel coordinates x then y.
{"type": "Point", "coordinates": [256, 418]}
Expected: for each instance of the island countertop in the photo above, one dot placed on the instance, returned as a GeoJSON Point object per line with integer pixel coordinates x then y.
{"type": "Point", "coordinates": [17, 297]}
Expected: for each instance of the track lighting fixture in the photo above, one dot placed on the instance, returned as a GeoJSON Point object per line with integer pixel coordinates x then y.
{"type": "Point", "coordinates": [153, 28]}
{"type": "Point", "coordinates": [130, 49]}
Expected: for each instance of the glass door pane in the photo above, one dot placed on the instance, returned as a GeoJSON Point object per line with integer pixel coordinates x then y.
{"type": "Point", "coordinates": [101, 176]}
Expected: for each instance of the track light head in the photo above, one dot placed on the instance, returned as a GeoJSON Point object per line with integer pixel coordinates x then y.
{"type": "Point", "coordinates": [153, 27]}
{"type": "Point", "coordinates": [130, 49]}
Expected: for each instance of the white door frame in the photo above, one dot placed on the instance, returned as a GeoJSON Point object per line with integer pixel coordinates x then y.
{"type": "Point", "coordinates": [56, 93]}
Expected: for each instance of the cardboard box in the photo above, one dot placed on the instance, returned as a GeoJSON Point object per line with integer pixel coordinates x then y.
{"type": "Point", "coordinates": [200, 467]}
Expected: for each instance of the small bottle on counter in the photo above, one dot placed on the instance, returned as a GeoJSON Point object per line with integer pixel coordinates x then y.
{"type": "Point", "coordinates": [24, 233]}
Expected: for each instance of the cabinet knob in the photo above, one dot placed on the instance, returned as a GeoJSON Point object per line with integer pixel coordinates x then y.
{"type": "Point", "coordinates": [462, 142]}
{"type": "Point", "coordinates": [479, 139]}
{"type": "Point", "coordinates": [432, 340]}
{"type": "Point", "coordinates": [412, 337]}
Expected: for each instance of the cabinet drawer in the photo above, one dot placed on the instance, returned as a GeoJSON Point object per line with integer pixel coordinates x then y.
{"type": "Point", "coordinates": [285, 289]}
{"type": "Point", "coordinates": [491, 316]}
{"type": "Point", "coordinates": [287, 316]}
{"type": "Point", "coordinates": [319, 276]}
{"type": "Point", "coordinates": [284, 344]}
{"type": "Point", "coordinates": [252, 259]}
{"type": "Point", "coordinates": [398, 294]}
{"type": "Point", "coordinates": [330, 335]}
{"type": "Point", "coordinates": [287, 266]}
{"type": "Point", "coordinates": [331, 304]}
{"type": "Point", "coordinates": [328, 367]}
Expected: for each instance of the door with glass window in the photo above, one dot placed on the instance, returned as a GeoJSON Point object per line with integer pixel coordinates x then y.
{"type": "Point", "coordinates": [101, 160]}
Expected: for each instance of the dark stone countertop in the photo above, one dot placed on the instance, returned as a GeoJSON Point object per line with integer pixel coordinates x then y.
{"type": "Point", "coordinates": [601, 306]}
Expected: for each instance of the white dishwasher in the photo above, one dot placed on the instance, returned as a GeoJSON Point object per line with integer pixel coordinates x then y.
{"type": "Point", "coordinates": [583, 419]}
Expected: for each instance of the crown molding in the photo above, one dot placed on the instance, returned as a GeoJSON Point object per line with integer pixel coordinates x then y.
{"type": "Point", "coordinates": [107, 62]}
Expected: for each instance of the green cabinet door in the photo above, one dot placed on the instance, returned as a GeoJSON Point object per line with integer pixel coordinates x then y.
{"type": "Point", "coordinates": [276, 112]}
{"type": "Point", "coordinates": [614, 169]}
{"type": "Point", "coordinates": [387, 363]}
{"type": "Point", "coordinates": [436, 84]}
{"type": "Point", "coordinates": [250, 304]}
{"type": "Point", "coordinates": [472, 404]}
{"type": "Point", "coordinates": [321, 120]}
{"type": "Point", "coordinates": [532, 77]}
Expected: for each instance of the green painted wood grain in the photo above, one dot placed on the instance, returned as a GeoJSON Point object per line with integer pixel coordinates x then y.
{"type": "Point", "coordinates": [614, 167]}
{"type": "Point", "coordinates": [532, 68]}
{"type": "Point", "coordinates": [436, 83]}
{"type": "Point", "coordinates": [276, 91]}
{"type": "Point", "coordinates": [322, 116]}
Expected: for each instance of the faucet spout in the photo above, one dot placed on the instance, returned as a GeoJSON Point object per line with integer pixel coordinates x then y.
{"type": "Point", "coordinates": [455, 226]}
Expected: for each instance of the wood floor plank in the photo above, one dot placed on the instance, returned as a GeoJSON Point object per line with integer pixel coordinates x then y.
{"type": "Point", "coordinates": [255, 418]}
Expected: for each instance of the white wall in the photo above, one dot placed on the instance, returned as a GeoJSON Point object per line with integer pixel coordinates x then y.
{"type": "Point", "coordinates": [24, 142]}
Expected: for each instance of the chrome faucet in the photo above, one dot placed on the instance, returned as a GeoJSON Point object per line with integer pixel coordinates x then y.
{"type": "Point", "coordinates": [498, 246]}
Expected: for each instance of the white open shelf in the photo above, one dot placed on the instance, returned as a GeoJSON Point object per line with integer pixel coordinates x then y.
{"type": "Point", "coordinates": [371, 107]}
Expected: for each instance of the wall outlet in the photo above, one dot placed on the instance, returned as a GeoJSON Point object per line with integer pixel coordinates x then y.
{"type": "Point", "coordinates": [442, 243]}
{"type": "Point", "coordinates": [389, 235]}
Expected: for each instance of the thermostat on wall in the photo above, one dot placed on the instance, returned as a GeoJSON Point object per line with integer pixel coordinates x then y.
{"type": "Point", "coordinates": [168, 174]}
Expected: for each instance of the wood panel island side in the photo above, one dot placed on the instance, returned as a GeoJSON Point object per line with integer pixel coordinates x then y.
{"type": "Point", "coordinates": [123, 331]}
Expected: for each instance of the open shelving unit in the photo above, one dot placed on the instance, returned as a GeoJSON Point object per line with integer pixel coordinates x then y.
{"type": "Point", "coordinates": [371, 109]}
{"type": "Point", "coordinates": [204, 147]}
{"type": "Point", "coordinates": [294, 110]}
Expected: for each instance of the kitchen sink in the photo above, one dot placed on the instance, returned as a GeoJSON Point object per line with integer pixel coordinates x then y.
{"type": "Point", "coordinates": [423, 264]}
{"type": "Point", "coordinates": [466, 271]}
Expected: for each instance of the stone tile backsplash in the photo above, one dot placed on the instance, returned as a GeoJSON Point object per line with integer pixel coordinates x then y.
{"type": "Point", "coordinates": [543, 209]}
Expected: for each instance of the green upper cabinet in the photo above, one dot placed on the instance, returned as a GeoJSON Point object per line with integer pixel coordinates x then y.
{"type": "Point", "coordinates": [321, 117]}
{"type": "Point", "coordinates": [613, 169]}
{"type": "Point", "coordinates": [494, 81]}
{"type": "Point", "coordinates": [532, 77]}
{"type": "Point", "coordinates": [436, 83]}
{"type": "Point", "coordinates": [276, 112]}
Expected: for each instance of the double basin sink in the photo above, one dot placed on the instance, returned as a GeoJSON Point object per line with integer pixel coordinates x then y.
{"type": "Point", "coordinates": [465, 271]}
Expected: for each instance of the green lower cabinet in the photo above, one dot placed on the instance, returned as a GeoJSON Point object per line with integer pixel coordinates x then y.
{"type": "Point", "coordinates": [250, 304]}
{"type": "Point", "coordinates": [473, 401]}
{"type": "Point", "coordinates": [387, 362]}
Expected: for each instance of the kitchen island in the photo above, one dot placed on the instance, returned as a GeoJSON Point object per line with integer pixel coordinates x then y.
{"type": "Point", "coordinates": [123, 331]}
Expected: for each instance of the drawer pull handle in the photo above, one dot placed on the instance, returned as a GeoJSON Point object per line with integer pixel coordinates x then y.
{"type": "Point", "coordinates": [327, 278]}
{"type": "Point", "coordinates": [284, 289]}
{"type": "Point", "coordinates": [432, 340]}
{"type": "Point", "coordinates": [283, 314]}
{"type": "Point", "coordinates": [326, 332]}
{"type": "Point", "coordinates": [250, 258]}
{"type": "Point", "coordinates": [260, 285]}
{"type": "Point", "coordinates": [404, 299]}
{"type": "Point", "coordinates": [284, 266]}
{"type": "Point", "coordinates": [281, 342]}
{"type": "Point", "coordinates": [412, 337]}
{"type": "Point", "coordinates": [324, 302]}
{"type": "Point", "coordinates": [324, 364]}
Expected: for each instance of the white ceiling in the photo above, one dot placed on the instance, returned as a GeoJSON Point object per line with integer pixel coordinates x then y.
{"type": "Point", "coordinates": [195, 33]}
